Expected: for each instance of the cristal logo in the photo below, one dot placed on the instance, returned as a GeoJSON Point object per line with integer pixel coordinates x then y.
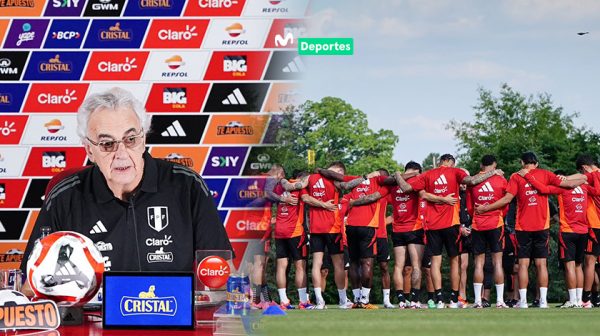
{"type": "Point", "coordinates": [54, 99]}
{"type": "Point", "coordinates": [213, 271]}
{"type": "Point", "coordinates": [173, 35]}
{"type": "Point", "coordinates": [217, 3]}
{"type": "Point", "coordinates": [127, 66]}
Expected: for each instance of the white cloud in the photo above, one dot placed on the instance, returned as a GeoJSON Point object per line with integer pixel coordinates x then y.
{"type": "Point", "coordinates": [551, 10]}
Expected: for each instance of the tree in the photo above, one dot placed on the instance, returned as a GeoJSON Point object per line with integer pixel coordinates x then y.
{"type": "Point", "coordinates": [430, 161]}
{"type": "Point", "coordinates": [512, 123]}
{"type": "Point", "coordinates": [336, 132]}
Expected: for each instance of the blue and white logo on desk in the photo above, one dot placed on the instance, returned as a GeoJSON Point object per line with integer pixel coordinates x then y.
{"type": "Point", "coordinates": [148, 303]}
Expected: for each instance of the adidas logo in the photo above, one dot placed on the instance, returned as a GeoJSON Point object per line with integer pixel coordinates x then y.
{"type": "Point", "coordinates": [487, 187]}
{"type": "Point", "coordinates": [577, 190]}
{"type": "Point", "coordinates": [441, 180]}
{"type": "Point", "coordinates": [319, 184]}
{"type": "Point", "coordinates": [235, 98]}
{"type": "Point", "coordinates": [175, 130]}
{"type": "Point", "coordinates": [98, 228]}
{"type": "Point", "coordinates": [67, 269]}
{"type": "Point", "coordinates": [295, 65]}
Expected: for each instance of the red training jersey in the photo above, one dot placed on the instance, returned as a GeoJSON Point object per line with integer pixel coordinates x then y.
{"type": "Point", "coordinates": [593, 209]}
{"type": "Point", "coordinates": [289, 219]}
{"type": "Point", "coordinates": [441, 181]}
{"type": "Point", "coordinates": [323, 220]}
{"type": "Point", "coordinates": [533, 213]}
{"type": "Point", "coordinates": [365, 215]}
{"type": "Point", "coordinates": [487, 192]}
{"type": "Point", "coordinates": [405, 210]}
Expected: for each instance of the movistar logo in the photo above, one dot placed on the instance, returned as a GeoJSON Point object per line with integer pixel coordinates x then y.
{"type": "Point", "coordinates": [147, 303]}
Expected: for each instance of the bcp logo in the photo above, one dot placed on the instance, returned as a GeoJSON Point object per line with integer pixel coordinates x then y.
{"type": "Point", "coordinates": [176, 34]}
{"type": "Point", "coordinates": [66, 34]}
{"type": "Point", "coordinates": [111, 65]}
{"type": "Point", "coordinates": [55, 97]}
{"type": "Point", "coordinates": [213, 272]}
{"type": "Point", "coordinates": [237, 66]}
{"type": "Point", "coordinates": [214, 8]}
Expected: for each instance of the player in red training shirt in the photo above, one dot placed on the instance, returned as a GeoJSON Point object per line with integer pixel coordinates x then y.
{"type": "Point", "coordinates": [442, 220]}
{"type": "Point", "coordinates": [588, 165]}
{"type": "Point", "coordinates": [323, 196]}
{"type": "Point", "coordinates": [532, 222]}
{"type": "Point", "coordinates": [488, 230]}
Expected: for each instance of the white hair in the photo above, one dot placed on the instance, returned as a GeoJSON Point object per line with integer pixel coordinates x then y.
{"type": "Point", "coordinates": [112, 99]}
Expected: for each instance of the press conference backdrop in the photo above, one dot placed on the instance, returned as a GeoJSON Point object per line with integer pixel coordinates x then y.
{"type": "Point", "coordinates": [215, 75]}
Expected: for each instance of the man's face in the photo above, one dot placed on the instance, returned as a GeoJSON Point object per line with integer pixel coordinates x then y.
{"type": "Point", "coordinates": [123, 168]}
{"type": "Point", "coordinates": [337, 169]}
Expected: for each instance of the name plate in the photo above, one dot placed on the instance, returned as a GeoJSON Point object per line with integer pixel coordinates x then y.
{"type": "Point", "coordinates": [148, 300]}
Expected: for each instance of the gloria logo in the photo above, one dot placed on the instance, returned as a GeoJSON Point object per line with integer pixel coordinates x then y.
{"type": "Point", "coordinates": [55, 65]}
{"type": "Point", "coordinates": [106, 65]}
{"type": "Point", "coordinates": [26, 34]}
{"type": "Point", "coordinates": [236, 65]}
{"type": "Point", "coordinates": [214, 8]}
{"type": "Point", "coordinates": [116, 34]}
{"type": "Point", "coordinates": [176, 34]}
{"type": "Point", "coordinates": [148, 303]}
{"type": "Point", "coordinates": [213, 272]}
{"type": "Point", "coordinates": [55, 97]}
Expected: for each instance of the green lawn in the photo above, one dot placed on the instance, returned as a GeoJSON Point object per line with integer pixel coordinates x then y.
{"type": "Point", "coordinates": [463, 322]}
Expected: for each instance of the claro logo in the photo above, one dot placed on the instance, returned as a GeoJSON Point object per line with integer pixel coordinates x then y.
{"type": "Point", "coordinates": [127, 66]}
{"type": "Point", "coordinates": [213, 271]}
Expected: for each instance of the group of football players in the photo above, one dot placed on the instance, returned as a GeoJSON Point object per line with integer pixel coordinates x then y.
{"type": "Point", "coordinates": [504, 225]}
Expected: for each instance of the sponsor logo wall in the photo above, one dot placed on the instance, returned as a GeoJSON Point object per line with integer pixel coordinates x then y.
{"type": "Point", "coordinates": [214, 74]}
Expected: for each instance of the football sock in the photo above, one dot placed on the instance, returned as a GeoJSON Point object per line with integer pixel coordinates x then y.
{"type": "Point", "coordinates": [499, 293]}
{"type": "Point", "coordinates": [282, 296]}
{"type": "Point", "coordinates": [303, 295]}
{"type": "Point", "coordinates": [477, 290]}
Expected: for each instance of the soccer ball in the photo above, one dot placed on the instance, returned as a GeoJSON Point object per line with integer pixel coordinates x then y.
{"type": "Point", "coordinates": [10, 297]}
{"type": "Point", "coordinates": [65, 267]}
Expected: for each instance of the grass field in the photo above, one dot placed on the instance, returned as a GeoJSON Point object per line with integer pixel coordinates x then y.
{"type": "Point", "coordinates": [463, 322]}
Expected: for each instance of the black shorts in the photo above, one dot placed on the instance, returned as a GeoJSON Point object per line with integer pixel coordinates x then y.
{"type": "Point", "coordinates": [444, 238]}
{"type": "Point", "coordinates": [426, 262]}
{"type": "Point", "coordinates": [533, 244]}
{"type": "Point", "coordinates": [572, 246]}
{"type": "Point", "coordinates": [295, 248]}
{"type": "Point", "coordinates": [465, 244]}
{"type": "Point", "coordinates": [488, 240]}
{"type": "Point", "coordinates": [327, 262]}
{"type": "Point", "coordinates": [332, 242]}
{"type": "Point", "coordinates": [593, 244]}
{"type": "Point", "coordinates": [509, 256]}
{"type": "Point", "coordinates": [383, 250]}
{"type": "Point", "coordinates": [361, 242]}
{"type": "Point", "coordinates": [406, 238]}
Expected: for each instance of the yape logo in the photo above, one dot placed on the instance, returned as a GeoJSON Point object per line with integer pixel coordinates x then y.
{"type": "Point", "coordinates": [176, 34]}
{"type": "Point", "coordinates": [148, 303]}
{"type": "Point", "coordinates": [26, 34]}
{"type": "Point", "coordinates": [106, 65]}
{"type": "Point", "coordinates": [214, 8]}
{"type": "Point", "coordinates": [55, 97]}
{"type": "Point", "coordinates": [18, 313]}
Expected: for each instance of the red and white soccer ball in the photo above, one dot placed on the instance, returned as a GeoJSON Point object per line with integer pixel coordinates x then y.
{"type": "Point", "coordinates": [65, 267]}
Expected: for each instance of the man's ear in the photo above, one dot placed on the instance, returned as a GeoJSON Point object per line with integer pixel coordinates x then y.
{"type": "Point", "coordinates": [88, 151]}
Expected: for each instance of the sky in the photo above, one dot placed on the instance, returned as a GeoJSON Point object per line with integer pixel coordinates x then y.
{"type": "Point", "coordinates": [419, 63]}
